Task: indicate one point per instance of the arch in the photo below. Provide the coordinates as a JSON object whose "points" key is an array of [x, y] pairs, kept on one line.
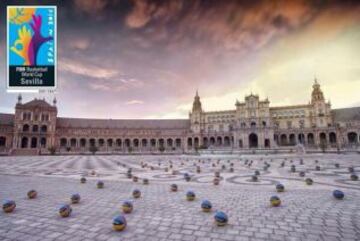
{"points": [[178, 142], [264, 123], [310, 138], [43, 142], [196, 141], [292, 139], [63, 142], [169, 142], [219, 141], [267, 143], [136, 142], [127, 142], [43, 128], [101, 142], [109, 142], [144, 142], [240, 143], [82, 142], [153, 143], [73, 142], [189, 142], [161, 142], [352, 137], [322, 137], [283, 140], [25, 128], [253, 140], [24, 142], [205, 142], [33, 142], [92, 142], [332, 138], [2, 141], [226, 141], [118, 142], [35, 128], [212, 141]]}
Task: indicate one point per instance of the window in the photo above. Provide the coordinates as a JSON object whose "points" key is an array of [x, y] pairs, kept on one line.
{"points": [[289, 124], [26, 116], [301, 123]]}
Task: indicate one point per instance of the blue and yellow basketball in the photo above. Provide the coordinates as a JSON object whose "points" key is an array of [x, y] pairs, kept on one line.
{"points": [[119, 223], [65, 210], [206, 206], [221, 219], [275, 201], [127, 207], [354, 177], [83, 180], [190, 196], [145, 181], [173, 187], [187, 177], [32, 194], [254, 178], [338, 194], [280, 187], [309, 181], [75, 198], [9, 206], [136, 193], [100, 184]]}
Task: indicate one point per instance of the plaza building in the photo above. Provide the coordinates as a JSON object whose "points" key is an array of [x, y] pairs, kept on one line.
{"points": [[253, 124]]}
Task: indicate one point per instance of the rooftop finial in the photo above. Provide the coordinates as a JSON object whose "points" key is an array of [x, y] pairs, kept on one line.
{"points": [[19, 98]]}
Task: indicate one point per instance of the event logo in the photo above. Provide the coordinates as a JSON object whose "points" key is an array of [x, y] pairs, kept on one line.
{"points": [[31, 47]]}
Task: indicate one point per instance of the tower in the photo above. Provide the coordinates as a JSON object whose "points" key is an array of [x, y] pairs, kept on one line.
{"points": [[317, 95], [197, 103], [195, 115], [321, 109]]}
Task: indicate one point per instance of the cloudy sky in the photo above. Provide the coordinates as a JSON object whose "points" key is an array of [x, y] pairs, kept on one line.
{"points": [[146, 58]]}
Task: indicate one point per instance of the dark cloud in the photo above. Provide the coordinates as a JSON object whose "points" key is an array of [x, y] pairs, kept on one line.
{"points": [[138, 47]]}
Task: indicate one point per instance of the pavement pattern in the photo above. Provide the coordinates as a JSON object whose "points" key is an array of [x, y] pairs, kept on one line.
{"points": [[306, 212]]}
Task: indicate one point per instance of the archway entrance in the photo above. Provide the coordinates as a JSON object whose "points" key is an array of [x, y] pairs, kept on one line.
{"points": [[24, 142], [253, 140], [33, 142]]}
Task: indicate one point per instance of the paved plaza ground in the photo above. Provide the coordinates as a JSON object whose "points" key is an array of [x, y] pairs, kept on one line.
{"points": [[306, 212]]}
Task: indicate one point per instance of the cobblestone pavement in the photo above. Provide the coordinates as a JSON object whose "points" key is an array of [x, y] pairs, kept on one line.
{"points": [[306, 212]]}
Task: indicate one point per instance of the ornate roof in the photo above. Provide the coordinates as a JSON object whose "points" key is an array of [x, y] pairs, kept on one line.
{"points": [[40, 103], [124, 123], [346, 114]]}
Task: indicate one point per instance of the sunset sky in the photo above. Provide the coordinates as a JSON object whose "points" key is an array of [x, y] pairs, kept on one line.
{"points": [[145, 59]]}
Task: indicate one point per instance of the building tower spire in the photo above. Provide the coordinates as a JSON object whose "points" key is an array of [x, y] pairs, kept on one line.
{"points": [[197, 103], [317, 94], [19, 99]]}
